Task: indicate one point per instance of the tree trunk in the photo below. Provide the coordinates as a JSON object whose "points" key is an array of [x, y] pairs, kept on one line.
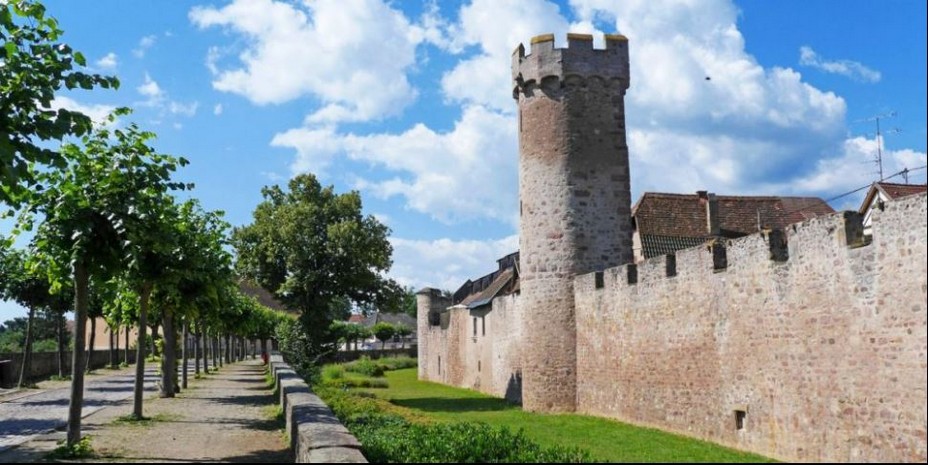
{"points": [[203, 332], [254, 349], [217, 356], [168, 353], [25, 371], [113, 349], [154, 336], [126, 349], [183, 370], [81, 291], [228, 351], [62, 361], [144, 295], [93, 337]]}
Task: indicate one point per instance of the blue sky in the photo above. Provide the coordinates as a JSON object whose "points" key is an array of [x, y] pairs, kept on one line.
{"points": [[410, 103]]}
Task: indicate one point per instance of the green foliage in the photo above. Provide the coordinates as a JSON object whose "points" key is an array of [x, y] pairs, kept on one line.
{"points": [[397, 363], [81, 449], [35, 65], [384, 331], [609, 440], [146, 421], [315, 250], [365, 366], [390, 438], [333, 372]]}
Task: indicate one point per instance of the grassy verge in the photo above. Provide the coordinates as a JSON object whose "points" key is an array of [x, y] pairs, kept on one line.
{"points": [[423, 403]]}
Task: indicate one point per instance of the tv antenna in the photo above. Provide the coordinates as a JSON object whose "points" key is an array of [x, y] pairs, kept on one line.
{"points": [[879, 137]]}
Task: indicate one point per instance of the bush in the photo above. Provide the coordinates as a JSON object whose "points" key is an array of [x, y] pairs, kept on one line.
{"points": [[367, 383], [332, 372], [388, 437], [365, 366], [398, 363]]}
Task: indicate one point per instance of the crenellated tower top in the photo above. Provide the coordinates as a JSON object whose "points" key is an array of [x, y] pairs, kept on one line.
{"points": [[578, 59]]}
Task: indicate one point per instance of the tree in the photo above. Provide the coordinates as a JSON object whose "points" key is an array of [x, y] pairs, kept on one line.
{"points": [[27, 288], [100, 217], [311, 247], [384, 331], [403, 331], [33, 66]]}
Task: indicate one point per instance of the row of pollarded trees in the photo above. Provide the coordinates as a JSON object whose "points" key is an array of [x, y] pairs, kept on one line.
{"points": [[106, 225]]}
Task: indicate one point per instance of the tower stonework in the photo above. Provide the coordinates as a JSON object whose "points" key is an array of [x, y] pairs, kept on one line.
{"points": [[575, 197]]}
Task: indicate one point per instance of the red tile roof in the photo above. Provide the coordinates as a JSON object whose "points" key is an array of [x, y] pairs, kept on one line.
{"points": [[895, 191], [684, 215]]}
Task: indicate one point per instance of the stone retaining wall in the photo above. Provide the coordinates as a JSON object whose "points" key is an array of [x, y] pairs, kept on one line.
{"points": [[316, 435]]}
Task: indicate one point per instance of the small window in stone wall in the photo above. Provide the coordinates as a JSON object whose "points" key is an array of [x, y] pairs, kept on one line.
{"points": [[740, 417], [483, 324], [439, 364], [671, 265], [478, 366], [475, 326], [434, 319], [600, 280]]}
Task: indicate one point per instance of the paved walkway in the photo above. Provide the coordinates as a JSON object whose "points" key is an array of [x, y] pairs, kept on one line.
{"points": [[27, 413], [227, 416]]}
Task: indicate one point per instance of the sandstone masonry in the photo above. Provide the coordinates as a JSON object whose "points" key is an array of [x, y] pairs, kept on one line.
{"points": [[807, 343]]}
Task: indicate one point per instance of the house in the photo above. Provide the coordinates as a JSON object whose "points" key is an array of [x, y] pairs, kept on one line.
{"points": [[882, 192], [395, 319], [664, 223]]}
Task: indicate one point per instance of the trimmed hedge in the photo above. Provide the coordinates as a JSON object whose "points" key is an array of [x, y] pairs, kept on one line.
{"points": [[390, 438]]}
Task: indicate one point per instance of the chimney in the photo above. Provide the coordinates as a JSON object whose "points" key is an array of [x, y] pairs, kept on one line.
{"points": [[713, 222]]}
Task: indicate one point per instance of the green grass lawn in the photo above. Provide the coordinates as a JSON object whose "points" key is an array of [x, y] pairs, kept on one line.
{"points": [[605, 439]]}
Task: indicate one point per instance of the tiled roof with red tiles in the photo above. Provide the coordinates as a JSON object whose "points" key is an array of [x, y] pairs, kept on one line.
{"points": [[684, 215], [896, 191]]}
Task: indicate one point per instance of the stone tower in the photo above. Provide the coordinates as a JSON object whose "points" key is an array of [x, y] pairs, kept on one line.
{"points": [[575, 197]]}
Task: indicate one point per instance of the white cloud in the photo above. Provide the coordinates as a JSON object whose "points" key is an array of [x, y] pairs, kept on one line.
{"points": [[108, 63], [852, 69], [150, 89], [156, 97], [217, 110], [855, 166], [497, 27], [351, 55], [446, 263], [746, 129], [97, 113], [145, 43], [466, 173]]}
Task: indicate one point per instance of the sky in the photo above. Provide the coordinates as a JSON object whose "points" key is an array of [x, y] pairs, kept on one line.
{"points": [[410, 102]]}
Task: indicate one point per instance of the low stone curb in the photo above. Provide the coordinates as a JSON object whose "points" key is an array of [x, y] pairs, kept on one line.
{"points": [[315, 433]]}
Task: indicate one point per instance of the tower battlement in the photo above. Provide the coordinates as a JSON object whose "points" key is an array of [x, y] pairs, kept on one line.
{"points": [[578, 59]]}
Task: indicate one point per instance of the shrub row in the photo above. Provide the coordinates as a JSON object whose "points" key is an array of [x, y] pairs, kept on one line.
{"points": [[388, 437], [376, 368]]}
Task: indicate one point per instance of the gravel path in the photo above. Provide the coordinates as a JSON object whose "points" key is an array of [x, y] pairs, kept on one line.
{"points": [[28, 413], [226, 416]]}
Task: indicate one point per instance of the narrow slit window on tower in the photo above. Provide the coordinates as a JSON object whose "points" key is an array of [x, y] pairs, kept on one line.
{"points": [[483, 326], [632, 271], [740, 417], [600, 280], [719, 257], [478, 365], [671, 265], [475, 326], [439, 364]]}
